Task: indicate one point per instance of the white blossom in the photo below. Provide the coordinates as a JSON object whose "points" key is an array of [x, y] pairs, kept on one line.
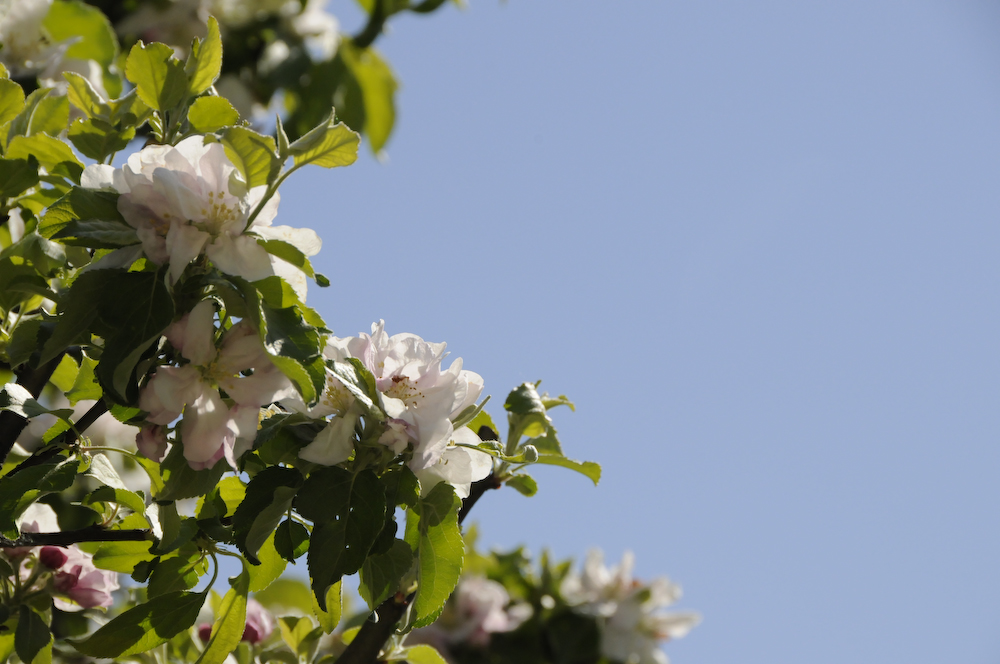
{"points": [[211, 429], [628, 611], [188, 200]]}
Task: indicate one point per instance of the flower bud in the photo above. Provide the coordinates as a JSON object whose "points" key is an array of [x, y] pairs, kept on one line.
{"points": [[205, 632], [52, 557], [530, 454]]}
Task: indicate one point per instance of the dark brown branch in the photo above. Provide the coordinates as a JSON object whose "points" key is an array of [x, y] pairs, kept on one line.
{"points": [[368, 642], [12, 424], [67, 537], [45, 453]]}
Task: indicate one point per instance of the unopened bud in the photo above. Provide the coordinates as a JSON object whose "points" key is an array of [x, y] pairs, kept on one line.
{"points": [[530, 454], [205, 632], [52, 557]]}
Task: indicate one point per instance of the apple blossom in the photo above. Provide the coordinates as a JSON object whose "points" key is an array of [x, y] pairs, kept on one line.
{"points": [[152, 442], [418, 396], [188, 200], [211, 429], [628, 611], [459, 466], [479, 607], [259, 622], [82, 583]]}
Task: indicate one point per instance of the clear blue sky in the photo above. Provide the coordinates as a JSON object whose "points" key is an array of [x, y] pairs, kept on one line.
{"points": [[757, 243]]}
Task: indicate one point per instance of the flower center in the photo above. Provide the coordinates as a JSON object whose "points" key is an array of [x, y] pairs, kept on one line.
{"points": [[405, 391], [218, 215]]}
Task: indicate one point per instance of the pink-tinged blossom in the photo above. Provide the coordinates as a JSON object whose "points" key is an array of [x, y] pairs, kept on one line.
{"points": [[418, 396], [152, 442], [82, 584], [478, 608], [629, 612], [188, 200], [260, 623], [210, 428]]}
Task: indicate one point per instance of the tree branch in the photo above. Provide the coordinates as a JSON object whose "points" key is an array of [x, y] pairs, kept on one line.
{"points": [[45, 453], [12, 424], [67, 537], [368, 642]]}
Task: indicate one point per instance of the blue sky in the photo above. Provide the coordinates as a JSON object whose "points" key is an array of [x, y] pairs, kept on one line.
{"points": [[757, 244]]}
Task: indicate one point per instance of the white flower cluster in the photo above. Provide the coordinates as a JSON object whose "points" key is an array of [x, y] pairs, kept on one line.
{"points": [[188, 200], [629, 612], [419, 397]]}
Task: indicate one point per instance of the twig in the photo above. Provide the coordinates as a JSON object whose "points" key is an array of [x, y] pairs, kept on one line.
{"points": [[67, 537], [45, 453]]}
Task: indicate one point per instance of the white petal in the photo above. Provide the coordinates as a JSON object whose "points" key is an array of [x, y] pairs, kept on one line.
{"points": [[335, 443]]}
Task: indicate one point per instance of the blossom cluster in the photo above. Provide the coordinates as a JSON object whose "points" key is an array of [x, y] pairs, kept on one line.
{"points": [[420, 399], [628, 611], [67, 573]]}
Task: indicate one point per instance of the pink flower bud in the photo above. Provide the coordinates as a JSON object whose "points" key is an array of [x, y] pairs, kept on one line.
{"points": [[52, 557], [259, 625], [152, 442], [205, 632]]}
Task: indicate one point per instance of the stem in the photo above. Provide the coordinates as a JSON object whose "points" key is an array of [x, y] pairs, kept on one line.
{"points": [[368, 642], [45, 453], [371, 31], [267, 196]]}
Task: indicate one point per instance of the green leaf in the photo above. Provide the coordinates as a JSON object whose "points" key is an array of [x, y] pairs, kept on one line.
{"points": [[525, 484], [122, 556], [291, 540], [158, 76], [437, 539], [83, 95], [286, 593], [11, 100], [526, 413], [97, 139], [588, 468], [424, 654], [18, 491], [80, 205], [253, 154], [17, 175], [329, 617], [378, 90], [42, 113], [56, 156], [270, 568], [268, 499], [176, 574], [181, 481], [329, 145], [229, 623], [86, 385], [381, 574], [208, 114], [205, 61], [288, 253], [88, 28], [348, 512], [97, 234], [145, 626], [65, 374], [32, 634], [355, 377]]}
